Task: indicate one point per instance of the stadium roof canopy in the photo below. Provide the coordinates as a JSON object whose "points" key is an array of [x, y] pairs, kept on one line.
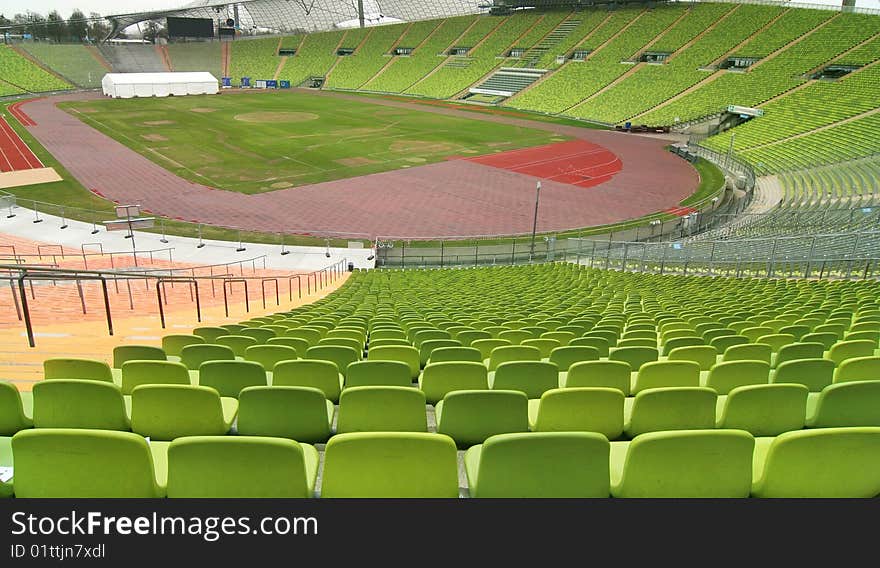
{"points": [[284, 16]]}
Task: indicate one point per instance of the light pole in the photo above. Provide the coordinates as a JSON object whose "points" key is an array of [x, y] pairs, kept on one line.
{"points": [[535, 220]]}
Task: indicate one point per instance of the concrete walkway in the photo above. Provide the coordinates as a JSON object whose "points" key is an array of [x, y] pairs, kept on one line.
{"points": [[185, 250]]}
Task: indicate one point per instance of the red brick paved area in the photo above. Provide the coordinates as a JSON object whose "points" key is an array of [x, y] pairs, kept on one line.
{"points": [[453, 198]]}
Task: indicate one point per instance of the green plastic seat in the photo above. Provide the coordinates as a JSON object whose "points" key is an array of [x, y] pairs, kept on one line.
{"points": [[228, 378], [656, 374], [545, 346], [726, 341], [634, 356], [384, 342], [669, 408], [562, 336], [73, 368], [826, 339], [565, 357], [486, 346], [428, 346], [515, 336], [776, 341], [241, 467], [468, 337], [166, 412], [793, 351], [764, 410], [683, 464], [77, 463], [539, 465], [123, 353], [511, 353], [582, 409], [312, 336], [449, 354], [728, 375], [299, 413], [390, 464], [427, 334], [858, 369], [382, 409], [238, 343], [300, 345], [636, 343], [231, 328], [13, 414], [172, 344], [841, 463], [260, 334], [531, 377], [405, 354], [136, 373], [798, 331], [387, 334], [855, 403], [845, 350], [340, 355], [608, 374], [378, 373], [269, 355], [678, 342], [211, 333], [599, 343], [344, 342], [194, 355], [438, 379], [816, 374], [749, 352], [471, 416], [77, 403], [322, 375]]}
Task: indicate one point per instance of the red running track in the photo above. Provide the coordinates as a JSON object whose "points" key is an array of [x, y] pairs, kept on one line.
{"points": [[14, 153], [576, 162]]}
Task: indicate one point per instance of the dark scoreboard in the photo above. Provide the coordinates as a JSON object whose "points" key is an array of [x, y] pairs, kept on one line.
{"points": [[190, 27]]}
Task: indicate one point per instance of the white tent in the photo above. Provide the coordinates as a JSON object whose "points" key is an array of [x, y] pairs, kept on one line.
{"points": [[128, 85]]}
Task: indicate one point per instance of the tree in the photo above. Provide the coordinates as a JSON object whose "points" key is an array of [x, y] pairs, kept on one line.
{"points": [[98, 28], [35, 24], [77, 27], [57, 29], [151, 31]]}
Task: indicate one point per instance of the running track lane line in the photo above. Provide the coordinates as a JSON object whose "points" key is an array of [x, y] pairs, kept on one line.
{"points": [[16, 154], [20, 115]]}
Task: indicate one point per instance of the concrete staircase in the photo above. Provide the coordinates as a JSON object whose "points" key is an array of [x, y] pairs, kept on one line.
{"points": [[531, 57]]}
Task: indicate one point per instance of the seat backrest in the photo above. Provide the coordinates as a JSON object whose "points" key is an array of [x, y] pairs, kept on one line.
{"points": [[724, 342], [341, 355], [816, 374], [750, 352], [858, 369], [210, 333], [76, 463], [486, 346], [172, 344], [322, 375], [228, 378], [543, 465], [582, 409], [634, 356], [508, 353], [656, 374], [136, 373], [194, 355], [565, 357], [844, 350], [443, 354], [609, 374], [842, 463], [765, 410], [76, 403], [545, 346], [703, 355], [776, 341], [801, 350], [438, 379], [343, 341], [387, 334], [378, 373], [515, 336], [123, 353], [312, 336], [236, 467], [298, 413], [12, 416], [238, 343], [260, 334], [471, 416], [691, 463], [268, 355], [468, 337], [854, 403], [599, 343], [298, 344], [72, 368], [390, 464], [382, 409], [403, 353], [429, 345], [672, 408], [728, 375], [530, 377], [826, 339], [166, 412]]}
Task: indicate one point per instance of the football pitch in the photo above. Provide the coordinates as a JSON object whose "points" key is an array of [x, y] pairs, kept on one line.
{"points": [[258, 142]]}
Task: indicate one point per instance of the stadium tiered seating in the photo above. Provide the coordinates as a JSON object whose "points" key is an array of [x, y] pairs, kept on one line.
{"points": [[352, 71], [196, 56], [314, 57], [71, 61], [254, 58], [21, 75]]}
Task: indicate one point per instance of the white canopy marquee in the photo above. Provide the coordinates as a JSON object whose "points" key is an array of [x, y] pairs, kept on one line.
{"points": [[128, 85]]}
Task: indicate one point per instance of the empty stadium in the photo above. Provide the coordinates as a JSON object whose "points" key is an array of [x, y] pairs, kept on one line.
{"points": [[456, 250]]}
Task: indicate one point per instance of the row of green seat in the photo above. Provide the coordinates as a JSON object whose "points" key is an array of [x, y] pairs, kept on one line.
{"points": [[842, 462]]}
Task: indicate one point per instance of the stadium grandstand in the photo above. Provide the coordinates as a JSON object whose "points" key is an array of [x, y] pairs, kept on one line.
{"points": [[452, 249]]}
